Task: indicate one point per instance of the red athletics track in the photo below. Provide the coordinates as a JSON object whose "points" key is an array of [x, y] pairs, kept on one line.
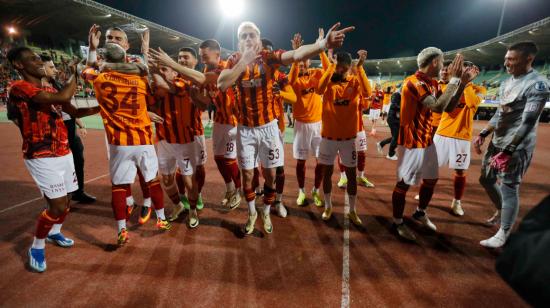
{"points": [[304, 263]]}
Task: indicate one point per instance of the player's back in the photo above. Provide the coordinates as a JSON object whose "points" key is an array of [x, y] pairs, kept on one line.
{"points": [[123, 106]]}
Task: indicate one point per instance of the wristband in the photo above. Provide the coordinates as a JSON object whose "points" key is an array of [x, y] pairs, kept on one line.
{"points": [[509, 149], [92, 56], [454, 80], [323, 44], [484, 133]]}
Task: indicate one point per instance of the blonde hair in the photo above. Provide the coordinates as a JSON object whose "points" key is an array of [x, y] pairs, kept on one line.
{"points": [[247, 24], [427, 55]]}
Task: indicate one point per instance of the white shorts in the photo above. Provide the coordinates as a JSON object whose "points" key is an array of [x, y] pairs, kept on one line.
{"points": [[307, 139], [386, 108], [54, 176], [452, 151], [263, 143], [281, 136], [224, 140], [125, 159], [416, 164], [330, 148], [172, 155], [200, 151], [361, 141], [374, 114]]}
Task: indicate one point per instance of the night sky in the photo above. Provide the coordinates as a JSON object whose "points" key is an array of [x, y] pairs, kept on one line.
{"points": [[386, 28]]}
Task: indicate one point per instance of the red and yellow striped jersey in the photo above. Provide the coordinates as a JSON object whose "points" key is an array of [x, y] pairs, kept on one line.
{"points": [[123, 102], [341, 101], [223, 100], [42, 129], [177, 111], [415, 129], [254, 88]]}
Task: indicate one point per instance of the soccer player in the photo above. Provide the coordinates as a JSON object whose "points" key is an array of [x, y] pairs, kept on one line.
{"points": [[187, 57], [393, 123], [117, 36], [417, 156], [342, 94], [386, 103], [77, 149], [122, 92], [375, 107], [251, 71], [454, 134], [282, 92], [307, 112], [360, 142], [176, 146], [514, 129], [36, 109], [224, 132]]}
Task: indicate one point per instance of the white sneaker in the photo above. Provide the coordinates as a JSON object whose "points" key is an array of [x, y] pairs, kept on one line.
{"points": [[417, 197], [498, 240], [379, 148], [494, 220], [456, 207], [394, 157], [404, 232], [423, 218], [281, 209], [268, 227], [249, 227]]}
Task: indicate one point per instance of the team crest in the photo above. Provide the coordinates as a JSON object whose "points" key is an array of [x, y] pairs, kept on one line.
{"points": [[540, 86]]}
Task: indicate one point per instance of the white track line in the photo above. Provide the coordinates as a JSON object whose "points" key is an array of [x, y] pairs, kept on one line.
{"points": [[39, 198], [345, 258]]}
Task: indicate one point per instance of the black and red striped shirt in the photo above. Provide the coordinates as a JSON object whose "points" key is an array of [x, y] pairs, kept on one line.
{"points": [[41, 125]]}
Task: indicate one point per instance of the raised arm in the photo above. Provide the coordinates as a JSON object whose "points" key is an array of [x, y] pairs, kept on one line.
{"points": [[448, 101], [296, 42], [93, 42], [333, 39], [325, 79], [145, 38], [125, 68], [160, 57], [325, 62], [229, 76], [62, 97], [288, 95], [293, 74], [363, 80]]}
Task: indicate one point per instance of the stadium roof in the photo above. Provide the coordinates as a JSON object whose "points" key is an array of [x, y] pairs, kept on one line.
{"points": [[63, 20], [488, 53]]}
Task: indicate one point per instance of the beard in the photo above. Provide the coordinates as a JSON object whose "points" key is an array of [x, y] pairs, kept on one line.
{"points": [[337, 77]]}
